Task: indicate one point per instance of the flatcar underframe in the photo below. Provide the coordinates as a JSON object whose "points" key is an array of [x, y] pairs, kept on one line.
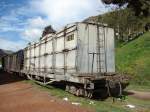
{"points": [[102, 87]]}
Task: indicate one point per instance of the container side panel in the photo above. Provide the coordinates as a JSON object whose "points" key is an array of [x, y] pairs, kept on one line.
{"points": [[110, 50], [37, 51], [32, 64], [49, 47], [36, 63], [59, 44], [101, 50], [32, 52], [42, 52], [28, 52], [48, 61], [49, 58], [71, 56], [42, 61], [82, 53], [59, 60], [27, 64], [92, 48]]}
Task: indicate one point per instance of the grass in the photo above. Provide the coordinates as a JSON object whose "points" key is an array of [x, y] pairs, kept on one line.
{"points": [[99, 106], [133, 58]]}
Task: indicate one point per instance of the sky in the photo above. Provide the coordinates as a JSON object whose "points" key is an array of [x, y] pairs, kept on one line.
{"points": [[22, 21]]}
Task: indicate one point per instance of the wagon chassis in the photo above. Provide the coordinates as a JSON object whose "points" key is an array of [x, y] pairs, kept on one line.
{"points": [[109, 86]]}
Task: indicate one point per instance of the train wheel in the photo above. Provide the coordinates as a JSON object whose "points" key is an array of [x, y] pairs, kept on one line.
{"points": [[115, 89]]}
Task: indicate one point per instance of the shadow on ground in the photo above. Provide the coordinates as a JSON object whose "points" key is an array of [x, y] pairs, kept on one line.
{"points": [[6, 78], [127, 93]]}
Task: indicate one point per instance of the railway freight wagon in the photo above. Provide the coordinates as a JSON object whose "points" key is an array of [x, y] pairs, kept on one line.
{"points": [[5, 63], [80, 54], [13, 62]]}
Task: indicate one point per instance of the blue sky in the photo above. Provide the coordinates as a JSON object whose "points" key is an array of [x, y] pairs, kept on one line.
{"points": [[22, 21]]}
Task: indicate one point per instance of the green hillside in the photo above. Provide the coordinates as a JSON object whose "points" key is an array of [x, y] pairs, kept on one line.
{"points": [[133, 58]]}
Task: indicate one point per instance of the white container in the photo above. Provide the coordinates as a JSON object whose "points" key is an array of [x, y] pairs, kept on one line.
{"points": [[79, 49]]}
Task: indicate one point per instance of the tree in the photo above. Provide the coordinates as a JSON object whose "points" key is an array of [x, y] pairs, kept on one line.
{"points": [[124, 22], [140, 7]]}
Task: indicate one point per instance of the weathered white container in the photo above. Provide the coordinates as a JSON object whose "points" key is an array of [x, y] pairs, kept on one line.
{"points": [[13, 62], [78, 50], [38, 57]]}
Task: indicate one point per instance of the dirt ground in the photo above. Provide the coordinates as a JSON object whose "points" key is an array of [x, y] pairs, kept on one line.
{"points": [[18, 96], [139, 94]]}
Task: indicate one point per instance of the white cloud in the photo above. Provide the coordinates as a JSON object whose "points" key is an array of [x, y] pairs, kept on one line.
{"points": [[37, 22], [31, 34], [61, 12], [29, 20], [11, 45], [34, 28], [58, 13]]}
